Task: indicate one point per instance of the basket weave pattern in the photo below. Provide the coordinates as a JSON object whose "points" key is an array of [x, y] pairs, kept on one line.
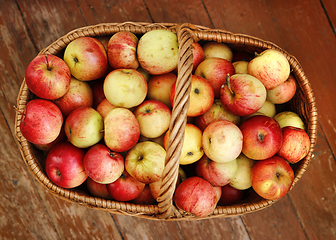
{"points": [[303, 103]]}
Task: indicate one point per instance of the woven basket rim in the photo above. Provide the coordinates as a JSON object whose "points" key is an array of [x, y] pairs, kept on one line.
{"points": [[187, 33]]}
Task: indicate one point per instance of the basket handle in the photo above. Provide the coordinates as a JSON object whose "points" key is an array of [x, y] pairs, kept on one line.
{"points": [[178, 122]]}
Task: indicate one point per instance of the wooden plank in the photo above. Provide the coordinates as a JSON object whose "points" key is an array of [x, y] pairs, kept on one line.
{"points": [[330, 10], [146, 228], [177, 11], [314, 196]]}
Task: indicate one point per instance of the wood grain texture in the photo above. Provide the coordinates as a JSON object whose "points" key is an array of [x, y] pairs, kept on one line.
{"points": [[306, 29]]}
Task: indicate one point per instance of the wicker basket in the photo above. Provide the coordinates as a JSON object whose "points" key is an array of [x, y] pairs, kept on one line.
{"points": [[303, 103]]}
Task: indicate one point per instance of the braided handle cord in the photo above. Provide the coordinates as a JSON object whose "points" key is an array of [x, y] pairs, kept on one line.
{"points": [[177, 124]]}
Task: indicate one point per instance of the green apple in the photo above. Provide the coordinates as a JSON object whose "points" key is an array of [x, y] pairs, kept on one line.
{"points": [[158, 51]]}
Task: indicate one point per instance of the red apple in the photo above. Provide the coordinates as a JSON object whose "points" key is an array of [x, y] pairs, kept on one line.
{"points": [[230, 195], [295, 145], [218, 174], [198, 55], [215, 71], [103, 165], [97, 189], [153, 117], [48, 76], [86, 58], [284, 92], [145, 197], [271, 67], [125, 188], [97, 91], [272, 178], [47, 147], [243, 94], [41, 121], [218, 193], [262, 137], [216, 112], [104, 107], [64, 165], [84, 127], [122, 48], [222, 141], [78, 95], [121, 130], [159, 87], [201, 96], [197, 196]]}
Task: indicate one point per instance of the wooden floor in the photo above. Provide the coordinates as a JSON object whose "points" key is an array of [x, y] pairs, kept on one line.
{"points": [[306, 29]]}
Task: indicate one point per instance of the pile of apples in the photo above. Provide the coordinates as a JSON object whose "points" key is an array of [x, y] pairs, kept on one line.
{"points": [[101, 113]]}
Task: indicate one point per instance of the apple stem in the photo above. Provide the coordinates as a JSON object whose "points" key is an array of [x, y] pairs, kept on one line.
{"points": [[228, 83], [48, 65]]}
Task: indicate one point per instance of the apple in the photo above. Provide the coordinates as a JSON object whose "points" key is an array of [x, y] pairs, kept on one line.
{"points": [[268, 109], [158, 140], [198, 55], [84, 127], [153, 117], [97, 91], [192, 149], [146, 161], [296, 144], [86, 58], [241, 55], [272, 178], [217, 49], [218, 193], [104, 40], [284, 92], [41, 121], [155, 187], [215, 70], [103, 165], [242, 178], [240, 66], [218, 174], [97, 189], [222, 141], [144, 73], [122, 130], [125, 88], [201, 96], [216, 112], [48, 146], [158, 51], [64, 165], [262, 137], [104, 107], [196, 196], [145, 197], [121, 50], [159, 87], [289, 118], [271, 67], [48, 76], [125, 188], [230, 195], [243, 94], [78, 95]]}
